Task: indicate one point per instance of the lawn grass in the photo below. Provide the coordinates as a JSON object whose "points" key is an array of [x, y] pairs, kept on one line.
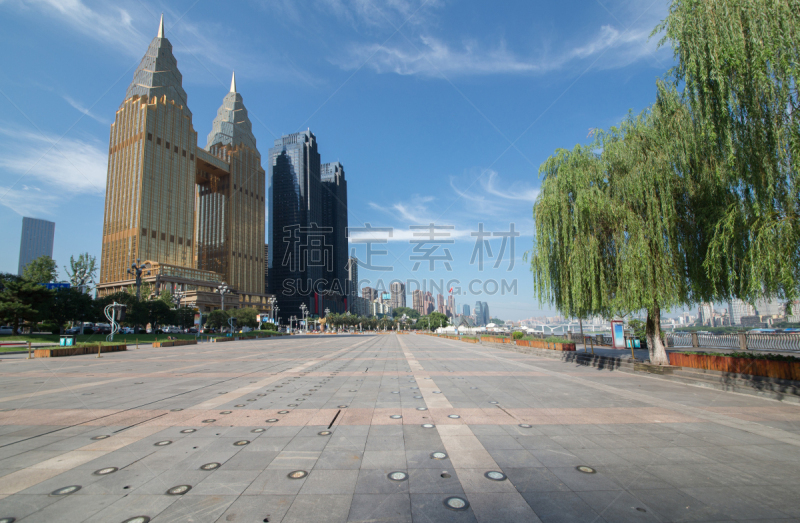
{"points": [[130, 339]]}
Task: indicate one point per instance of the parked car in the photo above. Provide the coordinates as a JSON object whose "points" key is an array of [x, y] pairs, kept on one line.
{"points": [[6, 329], [191, 330], [102, 328], [127, 330]]}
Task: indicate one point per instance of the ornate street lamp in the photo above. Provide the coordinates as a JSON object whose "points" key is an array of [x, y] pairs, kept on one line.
{"points": [[222, 290], [136, 271]]}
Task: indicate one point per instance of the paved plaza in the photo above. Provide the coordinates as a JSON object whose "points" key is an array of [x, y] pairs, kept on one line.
{"points": [[381, 429]]}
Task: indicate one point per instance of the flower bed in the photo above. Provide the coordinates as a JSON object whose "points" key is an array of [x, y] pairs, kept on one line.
{"points": [[549, 345], [174, 343], [56, 352], [780, 368]]}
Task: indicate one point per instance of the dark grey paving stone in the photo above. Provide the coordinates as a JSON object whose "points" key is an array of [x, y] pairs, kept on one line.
{"points": [[560, 507], [514, 458], [733, 504], [323, 508], [21, 505], [629, 477], [500, 442], [430, 481], [502, 508], [339, 458], [73, 508], [384, 459], [322, 481], [373, 508], [537, 479], [537, 442], [270, 444], [300, 443], [382, 443], [375, 481], [618, 506], [275, 482], [671, 504], [225, 482], [131, 506], [579, 481], [194, 509], [430, 508], [295, 460], [257, 509], [556, 457], [421, 459]]}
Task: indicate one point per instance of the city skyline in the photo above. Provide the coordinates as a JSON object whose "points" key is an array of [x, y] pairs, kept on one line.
{"points": [[370, 121]]}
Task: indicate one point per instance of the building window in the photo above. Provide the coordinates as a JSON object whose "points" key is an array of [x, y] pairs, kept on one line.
{"points": [[180, 240], [171, 238], [144, 232], [153, 234], [184, 153], [158, 141], [191, 157], [176, 149], [150, 136], [188, 243], [163, 236], [167, 145]]}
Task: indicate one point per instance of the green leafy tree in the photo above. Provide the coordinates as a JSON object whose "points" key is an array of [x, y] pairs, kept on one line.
{"points": [[436, 320], [154, 312], [739, 64], [22, 300], [166, 297], [41, 270], [82, 272], [245, 317], [217, 319], [408, 311], [626, 229], [497, 321], [184, 317], [68, 305]]}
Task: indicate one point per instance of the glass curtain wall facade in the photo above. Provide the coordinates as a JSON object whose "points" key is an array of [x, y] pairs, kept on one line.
{"points": [[294, 230], [333, 196], [37, 240]]}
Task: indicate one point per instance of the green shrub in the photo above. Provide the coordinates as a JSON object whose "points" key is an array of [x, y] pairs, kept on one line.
{"points": [[518, 335]]}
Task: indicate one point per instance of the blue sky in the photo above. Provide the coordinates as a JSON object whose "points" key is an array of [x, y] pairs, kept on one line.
{"points": [[441, 111]]}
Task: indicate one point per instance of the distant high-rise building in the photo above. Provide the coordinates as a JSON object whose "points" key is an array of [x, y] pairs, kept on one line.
{"points": [[479, 314], [487, 319], [333, 196], [297, 256], [737, 308], [369, 294], [193, 217], [465, 309], [398, 291], [451, 306], [37, 240], [770, 307], [418, 301], [440, 306], [352, 284], [429, 304]]}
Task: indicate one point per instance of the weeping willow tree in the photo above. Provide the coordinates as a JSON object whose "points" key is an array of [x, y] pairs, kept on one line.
{"points": [[622, 224], [738, 63]]}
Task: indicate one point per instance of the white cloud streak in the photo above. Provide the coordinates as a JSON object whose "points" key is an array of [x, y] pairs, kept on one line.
{"points": [[82, 109], [72, 165]]}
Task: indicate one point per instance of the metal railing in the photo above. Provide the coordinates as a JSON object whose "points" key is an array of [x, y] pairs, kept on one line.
{"points": [[738, 341]]}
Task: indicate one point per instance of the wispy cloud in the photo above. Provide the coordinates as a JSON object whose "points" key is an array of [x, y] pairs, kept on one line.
{"points": [[362, 14], [72, 165], [29, 201], [81, 108]]}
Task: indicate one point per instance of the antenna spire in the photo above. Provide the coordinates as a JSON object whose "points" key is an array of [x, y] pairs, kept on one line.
{"points": [[233, 82], [161, 27]]}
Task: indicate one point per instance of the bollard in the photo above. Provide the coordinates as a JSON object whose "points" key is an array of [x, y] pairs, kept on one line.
{"points": [[98, 351], [29, 351], [591, 340], [633, 357], [137, 343]]}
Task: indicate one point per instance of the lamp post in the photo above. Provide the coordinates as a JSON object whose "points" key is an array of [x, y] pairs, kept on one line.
{"points": [[272, 301], [177, 296], [136, 272], [327, 311], [222, 290], [303, 310]]}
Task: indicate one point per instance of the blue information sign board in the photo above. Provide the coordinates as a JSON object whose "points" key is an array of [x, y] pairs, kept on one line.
{"points": [[56, 286]]}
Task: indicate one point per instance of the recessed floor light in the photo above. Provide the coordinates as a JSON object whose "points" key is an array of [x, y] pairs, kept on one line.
{"points": [[417, 397], [397, 476], [453, 416], [162, 443], [239, 405], [225, 412], [438, 455], [395, 392], [292, 405], [188, 431], [585, 469], [210, 466], [437, 392], [209, 420], [176, 410], [272, 420], [257, 431], [422, 408], [456, 503], [493, 402], [525, 425], [180, 490], [427, 425], [283, 412], [65, 491], [324, 433], [495, 475], [396, 416], [135, 519], [103, 436], [297, 474], [103, 472], [341, 406], [241, 443]]}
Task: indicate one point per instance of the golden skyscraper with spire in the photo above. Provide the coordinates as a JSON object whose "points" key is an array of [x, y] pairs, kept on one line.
{"points": [[193, 216]]}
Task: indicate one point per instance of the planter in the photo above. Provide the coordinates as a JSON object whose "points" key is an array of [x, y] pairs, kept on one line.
{"points": [[783, 370], [220, 340], [57, 352], [495, 339], [536, 344], [174, 343]]}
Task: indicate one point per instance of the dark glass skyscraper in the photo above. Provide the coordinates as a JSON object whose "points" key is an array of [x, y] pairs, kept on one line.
{"points": [[297, 253], [333, 196]]}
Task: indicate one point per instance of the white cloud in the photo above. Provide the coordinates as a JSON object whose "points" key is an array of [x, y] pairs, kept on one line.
{"points": [[28, 201], [514, 191], [82, 109], [60, 164]]}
